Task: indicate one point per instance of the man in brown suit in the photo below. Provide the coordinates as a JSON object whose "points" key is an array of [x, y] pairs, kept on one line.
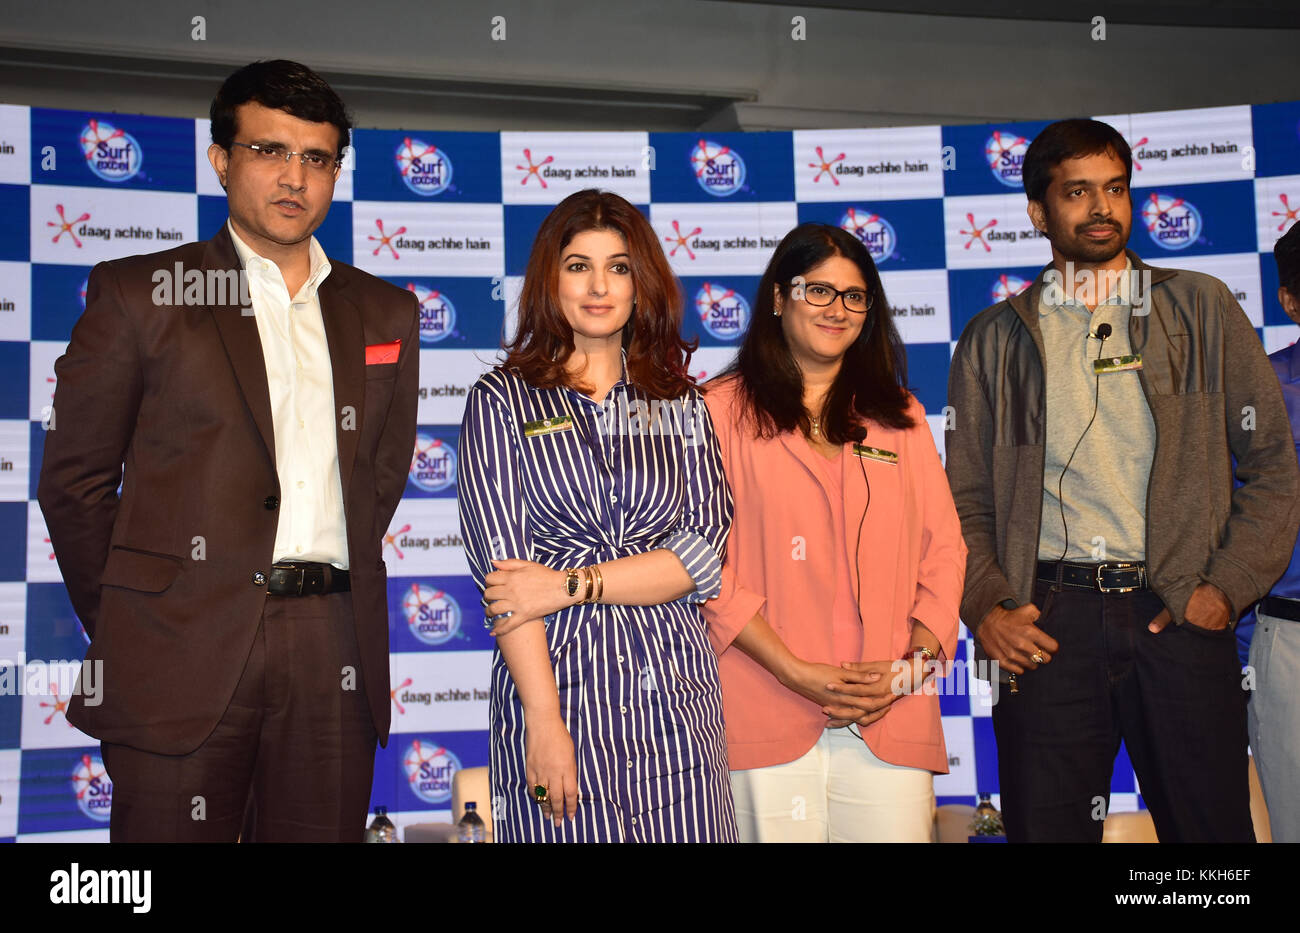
{"points": [[234, 594]]}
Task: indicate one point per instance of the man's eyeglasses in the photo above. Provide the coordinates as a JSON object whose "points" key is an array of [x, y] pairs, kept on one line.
{"points": [[311, 160], [821, 295]]}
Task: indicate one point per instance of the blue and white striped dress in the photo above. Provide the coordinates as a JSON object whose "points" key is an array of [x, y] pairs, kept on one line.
{"points": [[638, 685]]}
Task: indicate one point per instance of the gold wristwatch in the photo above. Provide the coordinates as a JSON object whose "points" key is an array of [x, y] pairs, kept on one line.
{"points": [[572, 581]]}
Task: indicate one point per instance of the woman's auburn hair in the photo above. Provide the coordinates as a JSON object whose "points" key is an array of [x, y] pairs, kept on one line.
{"points": [[657, 356]]}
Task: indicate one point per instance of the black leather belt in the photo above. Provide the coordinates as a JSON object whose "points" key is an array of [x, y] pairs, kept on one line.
{"points": [[304, 579], [1279, 607], [1114, 576]]}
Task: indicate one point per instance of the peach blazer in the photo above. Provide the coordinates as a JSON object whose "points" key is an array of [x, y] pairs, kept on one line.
{"points": [[912, 561]]}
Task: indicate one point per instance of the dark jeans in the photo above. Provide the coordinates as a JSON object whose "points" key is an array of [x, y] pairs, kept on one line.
{"points": [[291, 760], [1175, 698]]}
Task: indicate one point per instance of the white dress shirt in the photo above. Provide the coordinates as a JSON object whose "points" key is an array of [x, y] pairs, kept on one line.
{"points": [[301, 383]]}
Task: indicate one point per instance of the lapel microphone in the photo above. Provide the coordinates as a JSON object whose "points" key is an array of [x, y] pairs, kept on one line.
{"points": [[1103, 331], [859, 434]]}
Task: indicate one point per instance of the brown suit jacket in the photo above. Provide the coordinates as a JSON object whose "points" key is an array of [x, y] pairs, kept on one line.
{"points": [[172, 401]]}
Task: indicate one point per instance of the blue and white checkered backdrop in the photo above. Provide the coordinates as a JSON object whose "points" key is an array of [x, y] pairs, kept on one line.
{"points": [[452, 216]]}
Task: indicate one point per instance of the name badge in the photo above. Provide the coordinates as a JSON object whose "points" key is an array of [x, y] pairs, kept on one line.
{"points": [[875, 453], [548, 426], [1117, 364]]}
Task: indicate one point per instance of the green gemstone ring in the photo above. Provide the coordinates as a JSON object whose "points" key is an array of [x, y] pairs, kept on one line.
{"points": [[540, 793]]}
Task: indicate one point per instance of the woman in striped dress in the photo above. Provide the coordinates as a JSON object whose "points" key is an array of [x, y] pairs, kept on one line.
{"points": [[595, 513]]}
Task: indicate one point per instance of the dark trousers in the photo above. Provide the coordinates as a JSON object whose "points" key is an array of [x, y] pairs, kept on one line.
{"points": [[1175, 698], [291, 760]]}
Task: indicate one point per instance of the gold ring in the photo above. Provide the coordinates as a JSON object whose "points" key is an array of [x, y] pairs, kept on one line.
{"points": [[541, 794], [1037, 657]]}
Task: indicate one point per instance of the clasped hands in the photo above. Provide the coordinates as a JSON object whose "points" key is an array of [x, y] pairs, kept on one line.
{"points": [[519, 591], [857, 691]]}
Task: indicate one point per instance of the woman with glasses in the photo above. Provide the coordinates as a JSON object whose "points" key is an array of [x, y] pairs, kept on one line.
{"points": [[845, 566], [595, 511]]}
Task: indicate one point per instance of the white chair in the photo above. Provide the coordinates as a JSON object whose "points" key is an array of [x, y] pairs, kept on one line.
{"points": [[472, 784]]}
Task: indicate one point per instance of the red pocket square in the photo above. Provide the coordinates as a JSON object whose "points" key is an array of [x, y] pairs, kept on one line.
{"points": [[382, 352]]}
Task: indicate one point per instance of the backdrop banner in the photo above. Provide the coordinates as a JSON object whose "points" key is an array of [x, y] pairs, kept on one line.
{"points": [[451, 216]]}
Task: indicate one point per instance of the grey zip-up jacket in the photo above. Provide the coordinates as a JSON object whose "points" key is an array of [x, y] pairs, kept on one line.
{"points": [[1213, 396]]}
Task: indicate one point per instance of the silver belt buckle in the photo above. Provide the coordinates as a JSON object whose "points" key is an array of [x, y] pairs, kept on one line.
{"points": [[1124, 565]]}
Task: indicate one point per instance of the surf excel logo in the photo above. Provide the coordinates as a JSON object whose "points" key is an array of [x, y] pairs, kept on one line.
{"points": [[429, 771], [432, 615], [437, 313], [876, 233], [723, 312], [719, 169], [433, 466], [1005, 153], [93, 789], [423, 167], [1173, 223], [111, 153]]}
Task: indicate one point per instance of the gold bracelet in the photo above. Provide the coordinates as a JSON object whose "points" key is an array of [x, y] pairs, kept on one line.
{"points": [[586, 572], [600, 583]]}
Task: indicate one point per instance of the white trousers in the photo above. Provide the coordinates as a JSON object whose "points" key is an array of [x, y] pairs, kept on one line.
{"points": [[1274, 721], [838, 792]]}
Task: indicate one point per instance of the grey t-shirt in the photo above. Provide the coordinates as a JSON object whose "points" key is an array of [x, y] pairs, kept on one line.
{"points": [[1105, 489]]}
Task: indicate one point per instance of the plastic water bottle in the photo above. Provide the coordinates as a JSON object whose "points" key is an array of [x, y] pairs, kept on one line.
{"points": [[381, 829], [987, 821], [471, 828]]}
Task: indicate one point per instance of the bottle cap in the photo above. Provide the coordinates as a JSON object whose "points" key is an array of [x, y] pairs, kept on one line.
{"points": [[381, 811], [471, 805]]}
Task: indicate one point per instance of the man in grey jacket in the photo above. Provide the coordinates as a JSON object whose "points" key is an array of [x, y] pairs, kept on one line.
{"points": [[1097, 500]]}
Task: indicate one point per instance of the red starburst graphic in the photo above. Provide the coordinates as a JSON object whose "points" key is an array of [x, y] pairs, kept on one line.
{"points": [[1154, 200], [705, 160], [1007, 288], [976, 232], [415, 454], [390, 540], [407, 156], [385, 239], [95, 139], [418, 755], [83, 784], [859, 222], [711, 300], [533, 169], [678, 239], [1141, 142], [65, 225], [58, 706], [823, 166], [426, 301], [401, 710], [1288, 213]]}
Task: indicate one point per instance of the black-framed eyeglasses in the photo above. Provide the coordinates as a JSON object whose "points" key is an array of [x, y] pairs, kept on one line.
{"points": [[821, 295], [311, 160]]}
